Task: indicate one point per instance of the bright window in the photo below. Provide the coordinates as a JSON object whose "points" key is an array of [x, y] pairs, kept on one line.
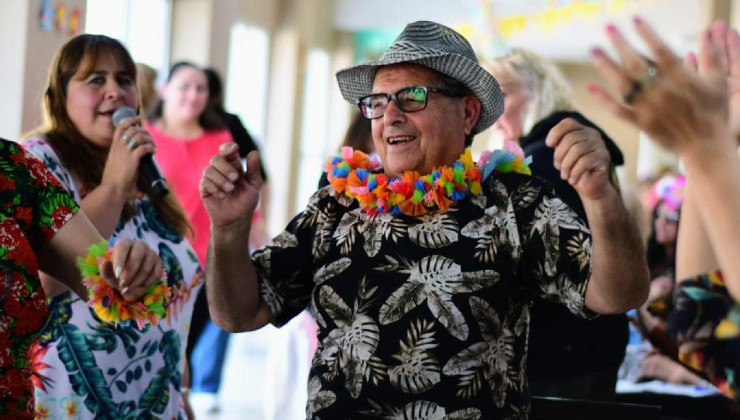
{"points": [[143, 26], [315, 125], [246, 84]]}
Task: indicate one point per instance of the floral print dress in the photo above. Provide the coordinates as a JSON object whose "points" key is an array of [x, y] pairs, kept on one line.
{"points": [[33, 207], [91, 369], [705, 322], [426, 317]]}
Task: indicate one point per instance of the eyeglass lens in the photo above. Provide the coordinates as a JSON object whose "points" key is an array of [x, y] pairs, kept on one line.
{"points": [[409, 99]]}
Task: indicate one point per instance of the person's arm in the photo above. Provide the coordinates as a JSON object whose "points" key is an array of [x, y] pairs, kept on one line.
{"points": [[132, 269], [58, 258], [717, 191], [694, 251], [230, 196], [619, 278]]}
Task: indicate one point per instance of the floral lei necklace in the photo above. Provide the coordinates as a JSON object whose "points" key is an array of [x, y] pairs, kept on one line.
{"points": [[358, 176]]}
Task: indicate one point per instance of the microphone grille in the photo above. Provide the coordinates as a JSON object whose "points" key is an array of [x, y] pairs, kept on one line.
{"points": [[122, 113]]}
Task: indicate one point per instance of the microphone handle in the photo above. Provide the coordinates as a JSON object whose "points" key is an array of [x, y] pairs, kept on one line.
{"points": [[152, 175]]}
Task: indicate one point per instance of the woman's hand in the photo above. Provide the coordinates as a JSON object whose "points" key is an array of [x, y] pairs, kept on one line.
{"points": [[683, 110], [228, 192], [130, 144], [133, 267]]}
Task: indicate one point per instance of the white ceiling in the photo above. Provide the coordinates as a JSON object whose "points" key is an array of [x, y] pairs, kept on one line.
{"points": [[569, 38]]}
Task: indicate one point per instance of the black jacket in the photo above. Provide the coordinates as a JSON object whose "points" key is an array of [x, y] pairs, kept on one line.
{"points": [[561, 344]]}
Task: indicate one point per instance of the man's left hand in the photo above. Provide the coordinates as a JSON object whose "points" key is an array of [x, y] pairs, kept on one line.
{"points": [[581, 157]]}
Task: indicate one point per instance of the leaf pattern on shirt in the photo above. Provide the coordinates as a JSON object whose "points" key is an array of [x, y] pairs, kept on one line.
{"points": [[579, 249], [332, 269], [430, 308], [434, 230], [319, 216], [348, 347], [317, 397], [561, 290], [284, 240], [485, 361], [526, 195], [420, 410], [552, 215], [419, 369], [379, 228], [435, 279], [496, 229]]}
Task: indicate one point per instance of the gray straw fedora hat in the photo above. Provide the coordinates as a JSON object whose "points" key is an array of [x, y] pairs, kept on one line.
{"points": [[437, 47]]}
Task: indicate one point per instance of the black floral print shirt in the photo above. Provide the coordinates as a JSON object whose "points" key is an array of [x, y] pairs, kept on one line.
{"points": [[426, 317]]}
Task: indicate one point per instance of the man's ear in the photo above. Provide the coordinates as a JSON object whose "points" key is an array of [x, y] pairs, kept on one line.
{"points": [[472, 112]]}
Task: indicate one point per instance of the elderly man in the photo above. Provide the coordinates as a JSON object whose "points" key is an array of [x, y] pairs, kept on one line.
{"points": [[421, 274]]}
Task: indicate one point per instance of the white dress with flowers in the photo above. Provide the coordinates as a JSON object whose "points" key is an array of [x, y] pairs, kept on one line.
{"points": [[85, 368]]}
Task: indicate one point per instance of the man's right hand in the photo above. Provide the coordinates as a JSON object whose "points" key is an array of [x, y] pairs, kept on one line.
{"points": [[230, 194]]}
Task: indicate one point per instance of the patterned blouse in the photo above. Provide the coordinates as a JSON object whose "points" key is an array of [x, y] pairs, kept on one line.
{"points": [[33, 207], [426, 317], [88, 368], [705, 321]]}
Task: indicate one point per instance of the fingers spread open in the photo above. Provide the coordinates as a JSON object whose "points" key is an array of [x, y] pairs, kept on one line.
{"points": [[664, 57], [710, 62], [633, 64], [610, 71], [733, 53]]}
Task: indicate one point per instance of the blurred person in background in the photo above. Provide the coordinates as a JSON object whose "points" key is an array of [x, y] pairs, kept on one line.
{"points": [[187, 132], [146, 83], [90, 368], [569, 356], [651, 353], [693, 110]]}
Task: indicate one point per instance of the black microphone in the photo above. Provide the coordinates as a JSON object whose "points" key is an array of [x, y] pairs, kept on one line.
{"points": [[147, 166]]}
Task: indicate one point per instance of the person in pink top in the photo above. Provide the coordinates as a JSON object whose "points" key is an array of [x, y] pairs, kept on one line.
{"points": [[187, 134]]}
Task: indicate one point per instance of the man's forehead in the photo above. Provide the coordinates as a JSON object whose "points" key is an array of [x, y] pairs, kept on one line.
{"points": [[405, 74]]}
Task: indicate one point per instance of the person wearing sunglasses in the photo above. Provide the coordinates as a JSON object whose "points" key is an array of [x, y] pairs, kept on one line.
{"points": [[421, 266]]}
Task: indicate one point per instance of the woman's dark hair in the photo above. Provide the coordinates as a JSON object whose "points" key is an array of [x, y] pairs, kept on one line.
{"points": [[657, 254], [359, 134], [82, 157], [208, 119], [215, 88]]}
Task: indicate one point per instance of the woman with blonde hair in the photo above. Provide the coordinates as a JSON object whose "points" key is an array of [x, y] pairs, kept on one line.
{"points": [[568, 356], [88, 368], [146, 80]]}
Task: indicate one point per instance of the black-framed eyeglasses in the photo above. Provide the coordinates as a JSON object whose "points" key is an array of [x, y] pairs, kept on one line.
{"points": [[410, 99]]}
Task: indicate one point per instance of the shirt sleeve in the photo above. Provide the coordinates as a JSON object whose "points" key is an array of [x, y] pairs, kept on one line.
{"points": [[53, 206], [556, 246], [40, 149], [286, 265]]}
